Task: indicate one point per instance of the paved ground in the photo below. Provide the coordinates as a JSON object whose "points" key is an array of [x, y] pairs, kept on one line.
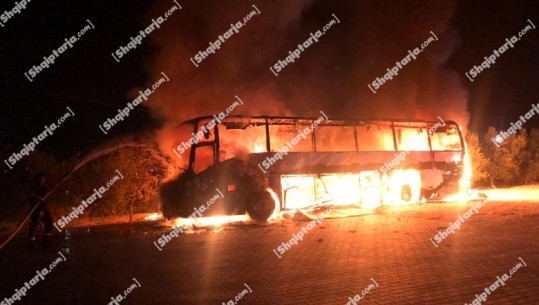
{"points": [[336, 260]]}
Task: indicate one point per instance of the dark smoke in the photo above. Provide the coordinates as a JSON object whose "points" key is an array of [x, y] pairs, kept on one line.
{"points": [[331, 75]]}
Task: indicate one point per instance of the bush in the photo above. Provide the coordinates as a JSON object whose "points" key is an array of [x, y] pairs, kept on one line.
{"points": [[515, 160], [142, 167]]}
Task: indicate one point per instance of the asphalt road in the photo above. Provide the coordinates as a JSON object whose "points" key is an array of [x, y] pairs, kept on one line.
{"points": [[394, 248]]}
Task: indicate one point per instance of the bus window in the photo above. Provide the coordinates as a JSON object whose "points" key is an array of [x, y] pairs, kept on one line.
{"points": [[281, 134], [335, 138], [375, 138], [236, 142], [203, 158], [412, 139], [446, 140]]}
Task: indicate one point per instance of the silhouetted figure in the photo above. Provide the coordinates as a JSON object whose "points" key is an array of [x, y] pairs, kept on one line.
{"points": [[38, 191]]}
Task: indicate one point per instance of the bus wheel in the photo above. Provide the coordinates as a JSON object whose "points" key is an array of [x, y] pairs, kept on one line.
{"points": [[406, 193], [260, 206]]}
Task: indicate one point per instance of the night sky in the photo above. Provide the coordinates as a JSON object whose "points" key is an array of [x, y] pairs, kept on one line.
{"points": [[331, 75]]}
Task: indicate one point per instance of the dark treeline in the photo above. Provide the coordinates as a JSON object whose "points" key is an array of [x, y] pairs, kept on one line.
{"points": [[510, 161]]}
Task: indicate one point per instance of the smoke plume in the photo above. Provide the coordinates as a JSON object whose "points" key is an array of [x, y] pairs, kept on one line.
{"points": [[331, 75]]}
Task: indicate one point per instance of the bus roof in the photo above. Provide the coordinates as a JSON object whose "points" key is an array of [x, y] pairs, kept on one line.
{"points": [[247, 120]]}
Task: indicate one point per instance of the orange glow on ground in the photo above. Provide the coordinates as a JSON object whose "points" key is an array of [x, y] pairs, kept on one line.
{"points": [[210, 221], [526, 193], [153, 216]]}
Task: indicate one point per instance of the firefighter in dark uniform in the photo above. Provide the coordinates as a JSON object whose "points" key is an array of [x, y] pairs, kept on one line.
{"points": [[39, 191]]}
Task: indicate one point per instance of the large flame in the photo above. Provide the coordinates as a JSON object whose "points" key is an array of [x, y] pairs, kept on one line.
{"points": [[218, 221], [465, 191], [401, 187], [259, 146], [465, 181], [367, 189]]}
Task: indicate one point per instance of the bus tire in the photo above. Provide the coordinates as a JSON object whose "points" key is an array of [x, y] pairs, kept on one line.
{"points": [[406, 193], [260, 206]]}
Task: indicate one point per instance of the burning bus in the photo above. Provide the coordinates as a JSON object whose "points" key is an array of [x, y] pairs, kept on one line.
{"points": [[262, 164]]}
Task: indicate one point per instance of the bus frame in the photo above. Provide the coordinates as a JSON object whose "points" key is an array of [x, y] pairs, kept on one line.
{"points": [[440, 172]]}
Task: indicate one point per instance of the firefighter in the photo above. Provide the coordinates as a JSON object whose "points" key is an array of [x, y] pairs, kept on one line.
{"points": [[38, 195]]}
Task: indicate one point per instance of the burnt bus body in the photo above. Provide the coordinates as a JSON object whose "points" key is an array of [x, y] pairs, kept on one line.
{"points": [[339, 161]]}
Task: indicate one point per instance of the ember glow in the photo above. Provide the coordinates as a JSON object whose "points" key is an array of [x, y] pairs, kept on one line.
{"points": [[215, 221], [153, 216]]}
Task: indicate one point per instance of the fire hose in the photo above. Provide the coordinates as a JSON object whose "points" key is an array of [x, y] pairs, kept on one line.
{"points": [[19, 227], [104, 152], [32, 211]]}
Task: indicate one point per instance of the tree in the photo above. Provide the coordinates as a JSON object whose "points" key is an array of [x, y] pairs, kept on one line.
{"points": [[142, 168], [507, 159], [531, 162]]}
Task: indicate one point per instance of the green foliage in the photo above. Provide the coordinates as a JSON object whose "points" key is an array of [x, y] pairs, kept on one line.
{"points": [[512, 162], [531, 158], [142, 169]]}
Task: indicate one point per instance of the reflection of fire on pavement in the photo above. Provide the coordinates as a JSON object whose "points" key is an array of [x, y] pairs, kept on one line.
{"points": [[517, 193]]}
